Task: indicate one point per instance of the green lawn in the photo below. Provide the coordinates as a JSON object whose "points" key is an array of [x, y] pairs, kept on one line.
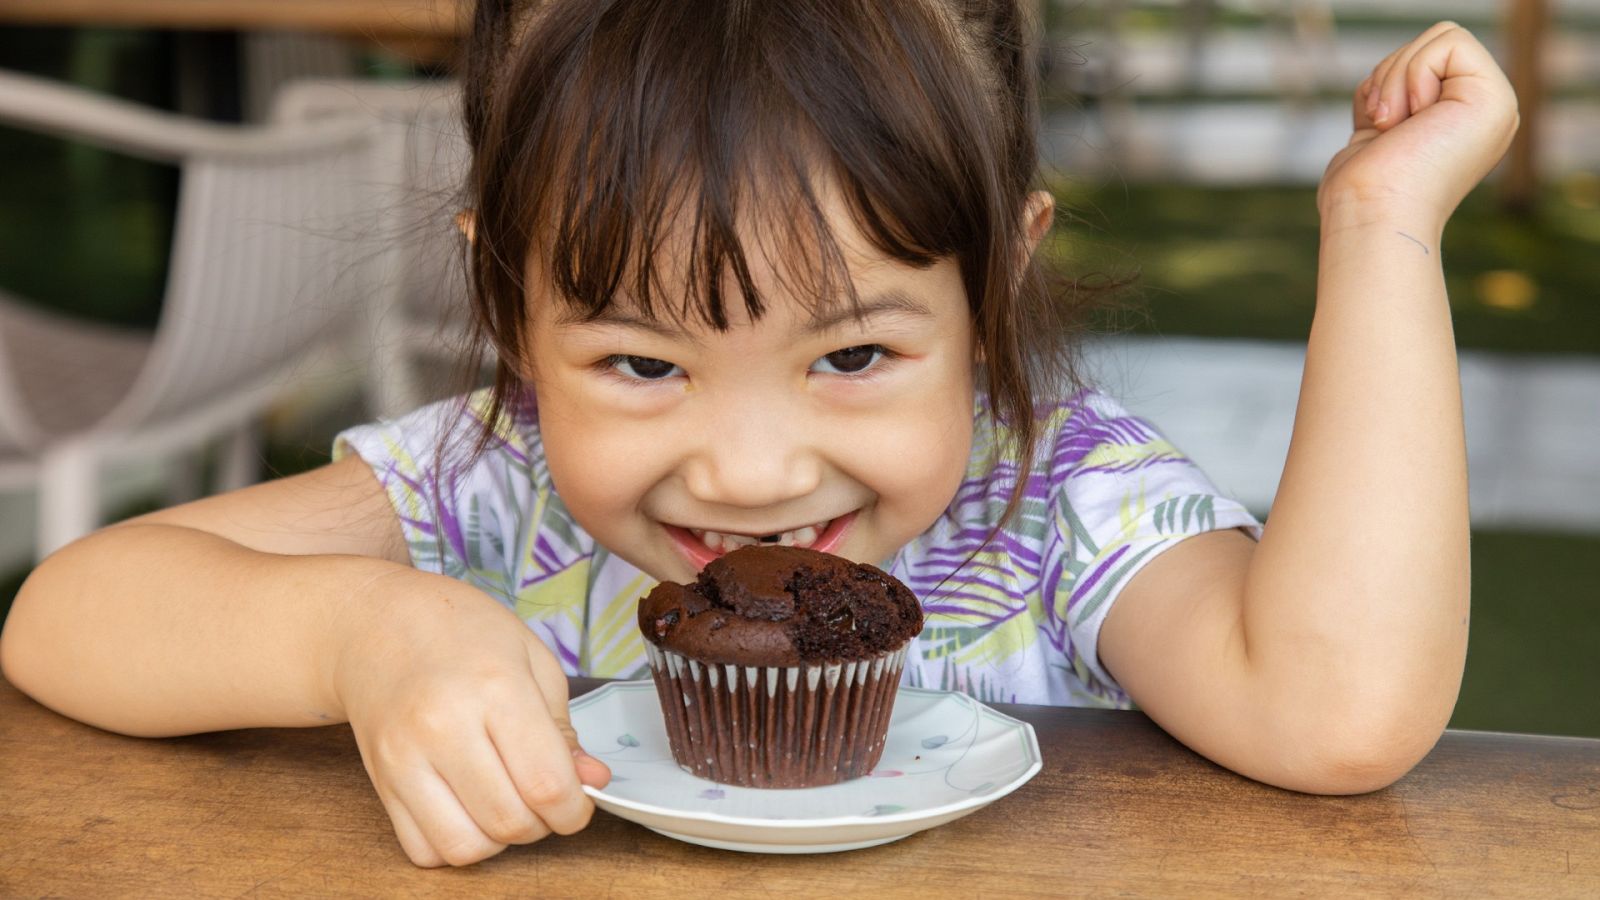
{"points": [[1241, 262], [1533, 660]]}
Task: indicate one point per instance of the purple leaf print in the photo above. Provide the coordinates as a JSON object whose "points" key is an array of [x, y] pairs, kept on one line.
{"points": [[713, 794]]}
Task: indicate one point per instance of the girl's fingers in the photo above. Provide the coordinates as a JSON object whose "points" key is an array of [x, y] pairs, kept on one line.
{"points": [[1392, 104], [442, 820], [1360, 118], [412, 841], [1375, 93], [1459, 64], [1391, 98], [479, 779], [592, 771], [1425, 73], [552, 682], [538, 757]]}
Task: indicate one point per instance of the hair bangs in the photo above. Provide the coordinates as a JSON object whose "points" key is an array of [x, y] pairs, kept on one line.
{"points": [[679, 166]]}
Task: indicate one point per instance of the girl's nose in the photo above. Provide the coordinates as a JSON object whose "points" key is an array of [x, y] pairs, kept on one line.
{"points": [[753, 464]]}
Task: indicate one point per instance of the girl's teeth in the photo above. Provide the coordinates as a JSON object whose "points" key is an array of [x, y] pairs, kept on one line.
{"points": [[727, 543], [803, 537]]}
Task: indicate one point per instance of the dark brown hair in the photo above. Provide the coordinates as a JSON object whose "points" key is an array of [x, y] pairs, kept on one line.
{"points": [[599, 127]]}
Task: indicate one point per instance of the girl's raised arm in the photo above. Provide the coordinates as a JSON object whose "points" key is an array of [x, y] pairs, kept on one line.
{"points": [[1328, 657]]}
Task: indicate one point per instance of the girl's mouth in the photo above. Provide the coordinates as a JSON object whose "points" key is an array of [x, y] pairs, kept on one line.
{"points": [[704, 545]]}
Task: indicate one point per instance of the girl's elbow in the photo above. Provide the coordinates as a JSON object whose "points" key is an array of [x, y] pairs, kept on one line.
{"points": [[1360, 735], [1359, 773], [10, 664], [20, 653], [36, 637], [1359, 759]]}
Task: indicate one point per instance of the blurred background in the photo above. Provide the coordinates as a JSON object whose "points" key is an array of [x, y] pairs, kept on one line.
{"points": [[225, 233]]}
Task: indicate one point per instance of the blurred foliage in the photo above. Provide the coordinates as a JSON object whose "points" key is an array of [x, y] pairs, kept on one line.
{"points": [[95, 226], [87, 231], [1242, 262], [1535, 626]]}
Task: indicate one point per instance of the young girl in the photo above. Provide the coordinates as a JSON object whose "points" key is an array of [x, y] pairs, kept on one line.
{"points": [[763, 272]]}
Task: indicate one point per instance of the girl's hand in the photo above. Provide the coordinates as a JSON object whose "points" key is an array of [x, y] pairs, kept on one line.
{"points": [[1430, 122], [460, 713]]}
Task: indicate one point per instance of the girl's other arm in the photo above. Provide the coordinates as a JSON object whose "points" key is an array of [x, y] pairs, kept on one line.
{"points": [[222, 613], [1328, 657], [290, 603]]}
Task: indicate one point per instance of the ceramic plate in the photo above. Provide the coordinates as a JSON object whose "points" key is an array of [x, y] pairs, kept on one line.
{"points": [[946, 755]]}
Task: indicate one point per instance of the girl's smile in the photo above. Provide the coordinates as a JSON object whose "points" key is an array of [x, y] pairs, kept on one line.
{"points": [[703, 545]]}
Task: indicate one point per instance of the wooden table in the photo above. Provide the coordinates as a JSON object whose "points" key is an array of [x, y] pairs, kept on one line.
{"points": [[1119, 807]]}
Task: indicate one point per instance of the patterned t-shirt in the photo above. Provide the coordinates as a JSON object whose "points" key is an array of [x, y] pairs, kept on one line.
{"points": [[1010, 619]]}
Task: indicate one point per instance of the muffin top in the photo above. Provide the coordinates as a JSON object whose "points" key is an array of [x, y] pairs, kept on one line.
{"points": [[781, 606]]}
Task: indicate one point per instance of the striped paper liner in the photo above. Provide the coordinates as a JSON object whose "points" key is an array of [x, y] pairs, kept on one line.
{"points": [[776, 726]]}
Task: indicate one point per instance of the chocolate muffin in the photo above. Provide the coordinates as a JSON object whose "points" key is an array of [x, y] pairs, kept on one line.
{"points": [[778, 666]]}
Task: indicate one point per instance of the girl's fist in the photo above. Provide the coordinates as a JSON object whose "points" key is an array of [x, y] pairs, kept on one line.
{"points": [[1430, 122]]}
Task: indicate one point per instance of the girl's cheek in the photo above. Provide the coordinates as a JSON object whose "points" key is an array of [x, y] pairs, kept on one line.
{"points": [[913, 455], [630, 404], [598, 447], [602, 473]]}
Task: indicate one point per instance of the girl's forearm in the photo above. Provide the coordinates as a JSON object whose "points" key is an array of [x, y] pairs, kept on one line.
{"points": [[157, 630], [1357, 597]]}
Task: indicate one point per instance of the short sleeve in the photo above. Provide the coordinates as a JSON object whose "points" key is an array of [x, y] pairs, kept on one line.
{"points": [[1124, 494], [473, 516]]}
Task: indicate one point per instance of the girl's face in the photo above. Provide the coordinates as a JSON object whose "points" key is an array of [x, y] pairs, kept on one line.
{"points": [[674, 444]]}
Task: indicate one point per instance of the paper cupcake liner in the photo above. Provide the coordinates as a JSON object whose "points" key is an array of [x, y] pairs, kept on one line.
{"points": [[776, 726]]}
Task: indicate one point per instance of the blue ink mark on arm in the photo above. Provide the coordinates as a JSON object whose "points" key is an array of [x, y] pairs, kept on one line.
{"points": [[1425, 250]]}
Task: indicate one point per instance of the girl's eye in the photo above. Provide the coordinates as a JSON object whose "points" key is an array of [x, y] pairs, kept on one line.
{"points": [[642, 368], [850, 360]]}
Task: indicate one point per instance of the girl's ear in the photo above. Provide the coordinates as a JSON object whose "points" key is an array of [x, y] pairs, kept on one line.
{"points": [[1038, 211], [467, 224]]}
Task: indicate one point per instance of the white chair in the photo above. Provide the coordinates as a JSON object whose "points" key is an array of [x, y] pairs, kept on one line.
{"points": [[417, 312], [264, 266]]}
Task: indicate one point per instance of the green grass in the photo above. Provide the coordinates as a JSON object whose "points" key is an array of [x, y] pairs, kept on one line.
{"points": [[1532, 655], [1242, 262]]}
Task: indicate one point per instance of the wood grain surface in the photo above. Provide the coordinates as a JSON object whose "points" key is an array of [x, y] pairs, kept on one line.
{"points": [[437, 18], [1120, 808]]}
